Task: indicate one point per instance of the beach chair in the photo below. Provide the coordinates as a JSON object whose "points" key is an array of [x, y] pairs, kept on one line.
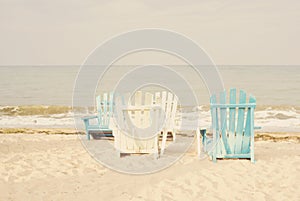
{"points": [[135, 120], [101, 125], [232, 127], [168, 103]]}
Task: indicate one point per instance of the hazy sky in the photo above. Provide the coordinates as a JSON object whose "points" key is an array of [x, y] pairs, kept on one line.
{"points": [[231, 31]]}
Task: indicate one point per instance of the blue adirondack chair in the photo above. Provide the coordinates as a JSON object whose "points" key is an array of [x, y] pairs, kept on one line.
{"points": [[104, 104], [232, 127]]}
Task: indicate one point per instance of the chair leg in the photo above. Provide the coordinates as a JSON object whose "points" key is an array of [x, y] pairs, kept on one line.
{"points": [[164, 140], [252, 146], [214, 151], [204, 140], [86, 124], [119, 154], [88, 135], [156, 155], [252, 153], [214, 158], [174, 136]]}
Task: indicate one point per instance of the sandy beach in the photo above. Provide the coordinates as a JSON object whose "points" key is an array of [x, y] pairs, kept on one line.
{"points": [[71, 67], [57, 167]]}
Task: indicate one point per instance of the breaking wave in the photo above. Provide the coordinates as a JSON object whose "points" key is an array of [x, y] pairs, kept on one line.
{"points": [[282, 118]]}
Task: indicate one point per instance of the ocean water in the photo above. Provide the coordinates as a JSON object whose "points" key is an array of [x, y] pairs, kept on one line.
{"points": [[53, 85], [41, 96]]}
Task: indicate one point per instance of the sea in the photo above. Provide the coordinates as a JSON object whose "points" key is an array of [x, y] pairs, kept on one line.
{"points": [[41, 96]]}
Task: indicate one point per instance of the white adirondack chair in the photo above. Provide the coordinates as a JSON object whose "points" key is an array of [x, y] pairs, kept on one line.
{"points": [[168, 103], [135, 120]]}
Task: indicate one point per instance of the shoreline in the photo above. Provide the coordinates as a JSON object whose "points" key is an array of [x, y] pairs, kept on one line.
{"points": [[259, 136]]}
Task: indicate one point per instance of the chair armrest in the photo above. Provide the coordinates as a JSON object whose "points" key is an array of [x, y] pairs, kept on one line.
{"points": [[89, 117]]}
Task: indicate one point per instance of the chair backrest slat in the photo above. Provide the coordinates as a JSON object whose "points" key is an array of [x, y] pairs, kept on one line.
{"points": [[137, 115], [163, 100], [232, 114], [104, 109], [240, 123], [173, 111], [157, 98], [215, 125], [223, 124], [247, 134], [148, 98], [146, 117], [99, 108], [111, 103], [168, 108]]}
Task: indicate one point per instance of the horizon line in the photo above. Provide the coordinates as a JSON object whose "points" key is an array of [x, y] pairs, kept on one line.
{"points": [[221, 65]]}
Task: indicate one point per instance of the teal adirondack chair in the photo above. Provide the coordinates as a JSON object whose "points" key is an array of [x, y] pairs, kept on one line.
{"points": [[104, 113], [232, 127]]}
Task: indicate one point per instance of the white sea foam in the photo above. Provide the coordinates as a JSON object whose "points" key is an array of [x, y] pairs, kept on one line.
{"points": [[270, 120], [36, 121], [278, 120]]}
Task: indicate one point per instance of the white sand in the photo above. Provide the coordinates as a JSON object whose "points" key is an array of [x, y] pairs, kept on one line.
{"points": [[57, 167]]}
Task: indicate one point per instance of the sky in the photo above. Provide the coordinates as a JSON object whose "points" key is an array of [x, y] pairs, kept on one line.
{"points": [[232, 32]]}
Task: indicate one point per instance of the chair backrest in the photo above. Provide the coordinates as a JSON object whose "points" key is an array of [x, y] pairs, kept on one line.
{"points": [[168, 102], [105, 103], [141, 118], [232, 123]]}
